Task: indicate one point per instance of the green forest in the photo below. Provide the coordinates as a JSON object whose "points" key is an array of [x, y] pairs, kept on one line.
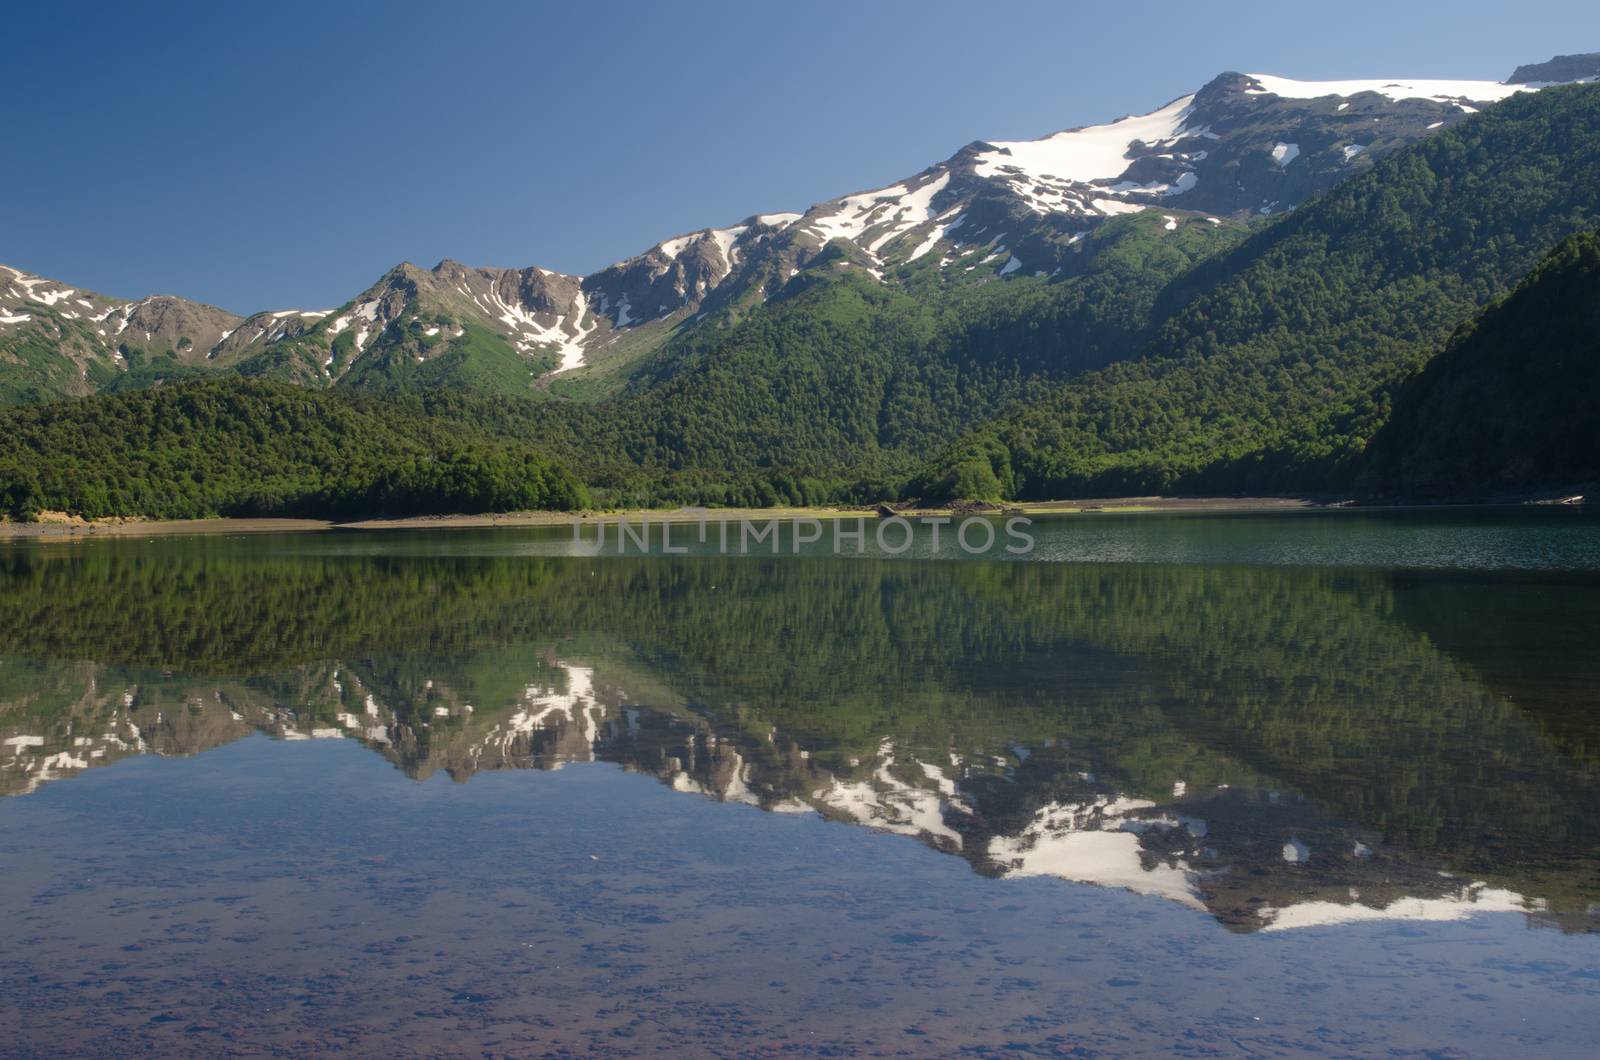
{"points": [[233, 447], [1512, 400]]}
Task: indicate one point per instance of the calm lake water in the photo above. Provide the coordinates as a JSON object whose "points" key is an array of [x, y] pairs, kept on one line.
{"points": [[1199, 785]]}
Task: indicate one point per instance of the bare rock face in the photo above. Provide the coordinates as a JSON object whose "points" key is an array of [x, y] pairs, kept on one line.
{"points": [[57, 340], [164, 325], [1561, 68], [1271, 147]]}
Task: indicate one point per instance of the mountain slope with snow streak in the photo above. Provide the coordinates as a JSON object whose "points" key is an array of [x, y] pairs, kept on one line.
{"points": [[1242, 146], [57, 340]]}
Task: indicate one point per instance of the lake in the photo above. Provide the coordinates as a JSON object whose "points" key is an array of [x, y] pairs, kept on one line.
{"points": [[1319, 783]]}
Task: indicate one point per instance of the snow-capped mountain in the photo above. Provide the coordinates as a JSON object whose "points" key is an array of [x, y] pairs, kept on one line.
{"points": [[1241, 147]]}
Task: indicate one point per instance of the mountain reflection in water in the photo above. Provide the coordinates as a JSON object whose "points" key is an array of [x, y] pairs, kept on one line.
{"points": [[1281, 747]]}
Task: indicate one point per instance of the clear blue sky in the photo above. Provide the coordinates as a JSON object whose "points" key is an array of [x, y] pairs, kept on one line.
{"points": [[278, 154]]}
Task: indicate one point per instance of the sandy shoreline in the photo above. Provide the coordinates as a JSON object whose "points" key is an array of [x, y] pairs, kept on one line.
{"points": [[56, 526], [61, 527]]}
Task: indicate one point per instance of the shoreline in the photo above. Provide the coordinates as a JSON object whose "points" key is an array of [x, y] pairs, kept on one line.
{"points": [[59, 527]]}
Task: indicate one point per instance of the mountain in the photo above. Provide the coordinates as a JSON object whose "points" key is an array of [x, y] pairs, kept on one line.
{"points": [[1561, 68], [1242, 146], [1510, 403], [1269, 366], [1217, 295], [58, 341]]}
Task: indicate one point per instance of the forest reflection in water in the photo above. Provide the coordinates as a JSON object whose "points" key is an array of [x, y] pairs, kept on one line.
{"points": [[1279, 746]]}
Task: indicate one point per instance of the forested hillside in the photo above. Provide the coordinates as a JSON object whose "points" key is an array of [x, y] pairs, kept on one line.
{"points": [[1514, 401], [237, 447], [849, 377], [1274, 364]]}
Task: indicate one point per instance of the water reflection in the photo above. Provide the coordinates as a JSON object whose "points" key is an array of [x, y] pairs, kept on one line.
{"points": [[1276, 746]]}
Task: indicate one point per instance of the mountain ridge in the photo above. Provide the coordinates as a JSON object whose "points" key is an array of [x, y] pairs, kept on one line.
{"points": [[993, 209], [1276, 361], [873, 348]]}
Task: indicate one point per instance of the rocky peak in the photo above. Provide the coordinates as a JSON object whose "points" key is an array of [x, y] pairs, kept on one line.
{"points": [[1561, 68], [167, 323]]}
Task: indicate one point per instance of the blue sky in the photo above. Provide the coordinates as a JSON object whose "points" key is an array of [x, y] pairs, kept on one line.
{"points": [[273, 155]]}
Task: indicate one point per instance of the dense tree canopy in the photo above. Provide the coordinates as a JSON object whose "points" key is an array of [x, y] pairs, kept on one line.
{"points": [[237, 447], [1512, 402]]}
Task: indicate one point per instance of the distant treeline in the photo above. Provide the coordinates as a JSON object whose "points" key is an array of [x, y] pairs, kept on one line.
{"points": [[236, 447]]}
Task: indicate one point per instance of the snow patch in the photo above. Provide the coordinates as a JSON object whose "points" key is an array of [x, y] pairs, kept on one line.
{"points": [[940, 232], [671, 248], [47, 297], [1394, 89], [1112, 207], [1095, 152], [885, 213], [1471, 900], [565, 332], [888, 803], [1086, 843], [725, 239]]}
